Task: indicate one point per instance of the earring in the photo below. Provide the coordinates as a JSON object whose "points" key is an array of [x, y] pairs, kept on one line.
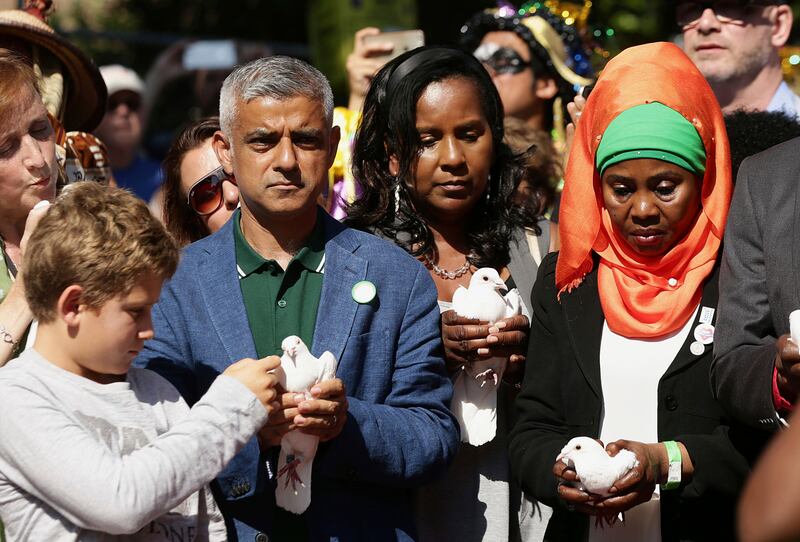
{"points": [[396, 196], [489, 189]]}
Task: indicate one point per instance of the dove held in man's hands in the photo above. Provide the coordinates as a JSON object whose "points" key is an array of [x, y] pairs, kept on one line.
{"points": [[299, 372]]}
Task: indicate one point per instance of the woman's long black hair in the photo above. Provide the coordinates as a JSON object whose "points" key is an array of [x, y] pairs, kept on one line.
{"points": [[388, 127]]}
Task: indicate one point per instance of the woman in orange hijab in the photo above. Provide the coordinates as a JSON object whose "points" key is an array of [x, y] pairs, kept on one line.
{"points": [[623, 325]]}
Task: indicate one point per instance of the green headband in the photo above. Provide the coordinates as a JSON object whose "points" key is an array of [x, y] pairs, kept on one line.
{"points": [[652, 131]]}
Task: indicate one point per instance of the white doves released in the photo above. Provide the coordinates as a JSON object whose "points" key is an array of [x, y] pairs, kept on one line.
{"points": [[298, 372], [475, 388], [596, 470]]}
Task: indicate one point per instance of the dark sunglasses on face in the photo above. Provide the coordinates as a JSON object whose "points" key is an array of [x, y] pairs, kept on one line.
{"points": [[131, 100], [205, 196], [502, 60], [688, 14]]}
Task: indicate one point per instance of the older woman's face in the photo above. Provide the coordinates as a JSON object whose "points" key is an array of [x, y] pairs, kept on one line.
{"points": [[652, 204], [28, 170], [456, 154], [196, 164]]}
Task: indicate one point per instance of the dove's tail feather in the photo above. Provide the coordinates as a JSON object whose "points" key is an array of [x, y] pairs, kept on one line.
{"points": [[294, 479], [474, 401]]}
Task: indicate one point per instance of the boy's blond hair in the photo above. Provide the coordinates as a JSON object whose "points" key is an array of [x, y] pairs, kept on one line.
{"points": [[100, 238]]}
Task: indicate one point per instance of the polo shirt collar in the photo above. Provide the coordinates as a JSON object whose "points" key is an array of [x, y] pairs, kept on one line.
{"points": [[311, 255]]}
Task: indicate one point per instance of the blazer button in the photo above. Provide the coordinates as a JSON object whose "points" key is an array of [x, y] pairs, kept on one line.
{"points": [[261, 537], [670, 402]]}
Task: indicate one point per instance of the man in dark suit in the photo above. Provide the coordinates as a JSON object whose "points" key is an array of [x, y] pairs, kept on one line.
{"points": [[756, 371], [281, 266]]}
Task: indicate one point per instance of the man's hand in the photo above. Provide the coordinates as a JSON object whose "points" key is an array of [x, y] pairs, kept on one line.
{"points": [[362, 65], [256, 375], [466, 340], [787, 362], [574, 109], [325, 414], [281, 420]]}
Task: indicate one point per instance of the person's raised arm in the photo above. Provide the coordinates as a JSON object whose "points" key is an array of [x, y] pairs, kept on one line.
{"points": [[15, 315]]}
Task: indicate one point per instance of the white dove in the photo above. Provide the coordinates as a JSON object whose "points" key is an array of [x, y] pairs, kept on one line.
{"points": [[474, 401], [596, 470], [298, 372]]}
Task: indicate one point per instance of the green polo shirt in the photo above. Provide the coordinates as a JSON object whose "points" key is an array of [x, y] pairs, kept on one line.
{"points": [[280, 303]]}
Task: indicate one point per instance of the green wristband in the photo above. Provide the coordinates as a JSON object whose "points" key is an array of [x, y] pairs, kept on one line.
{"points": [[674, 471]]}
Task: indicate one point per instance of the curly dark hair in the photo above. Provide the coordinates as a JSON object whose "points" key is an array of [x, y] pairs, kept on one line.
{"points": [[388, 127], [183, 223]]}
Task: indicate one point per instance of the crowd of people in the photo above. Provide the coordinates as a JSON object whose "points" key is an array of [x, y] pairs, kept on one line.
{"points": [[646, 217]]}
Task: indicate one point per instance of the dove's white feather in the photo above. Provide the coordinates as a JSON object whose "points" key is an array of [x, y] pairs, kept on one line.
{"points": [[596, 469], [482, 299], [298, 372], [474, 401]]}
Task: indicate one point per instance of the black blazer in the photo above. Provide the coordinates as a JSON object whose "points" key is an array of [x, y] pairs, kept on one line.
{"points": [[561, 398]]}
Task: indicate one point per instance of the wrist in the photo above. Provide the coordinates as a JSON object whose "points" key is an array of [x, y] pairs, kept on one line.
{"points": [[672, 467], [782, 397]]}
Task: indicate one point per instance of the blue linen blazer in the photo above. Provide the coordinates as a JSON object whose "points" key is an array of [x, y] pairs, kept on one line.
{"points": [[399, 433]]}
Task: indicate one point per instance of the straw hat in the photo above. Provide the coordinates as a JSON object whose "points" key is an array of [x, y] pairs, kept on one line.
{"points": [[86, 92]]}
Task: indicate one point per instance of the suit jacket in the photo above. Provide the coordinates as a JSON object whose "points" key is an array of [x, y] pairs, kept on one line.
{"points": [[522, 266], [562, 398], [759, 282], [399, 432]]}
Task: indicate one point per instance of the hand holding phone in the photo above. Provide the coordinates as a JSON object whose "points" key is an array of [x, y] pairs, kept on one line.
{"points": [[371, 50]]}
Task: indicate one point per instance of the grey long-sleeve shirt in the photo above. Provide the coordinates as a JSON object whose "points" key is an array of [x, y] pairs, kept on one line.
{"points": [[124, 461]]}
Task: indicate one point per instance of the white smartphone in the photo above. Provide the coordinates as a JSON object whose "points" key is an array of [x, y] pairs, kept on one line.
{"points": [[403, 40]]}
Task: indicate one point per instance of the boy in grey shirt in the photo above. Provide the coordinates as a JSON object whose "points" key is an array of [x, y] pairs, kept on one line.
{"points": [[91, 449]]}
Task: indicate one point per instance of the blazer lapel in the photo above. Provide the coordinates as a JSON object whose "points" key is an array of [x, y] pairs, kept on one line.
{"points": [[219, 280], [337, 308], [710, 299], [584, 318]]}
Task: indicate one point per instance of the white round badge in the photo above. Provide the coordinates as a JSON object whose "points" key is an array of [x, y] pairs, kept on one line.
{"points": [[704, 333], [697, 348], [364, 292]]}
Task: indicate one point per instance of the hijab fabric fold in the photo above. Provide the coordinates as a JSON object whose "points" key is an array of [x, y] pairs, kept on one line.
{"points": [[644, 297]]}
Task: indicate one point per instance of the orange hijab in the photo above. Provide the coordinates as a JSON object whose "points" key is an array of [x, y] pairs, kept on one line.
{"points": [[635, 292]]}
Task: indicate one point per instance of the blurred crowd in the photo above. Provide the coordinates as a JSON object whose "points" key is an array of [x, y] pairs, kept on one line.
{"points": [[504, 294]]}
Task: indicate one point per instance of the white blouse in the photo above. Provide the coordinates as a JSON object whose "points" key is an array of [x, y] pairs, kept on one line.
{"points": [[630, 370]]}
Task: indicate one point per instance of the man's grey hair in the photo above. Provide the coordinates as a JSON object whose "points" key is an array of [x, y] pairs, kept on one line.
{"points": [[276, 77]]}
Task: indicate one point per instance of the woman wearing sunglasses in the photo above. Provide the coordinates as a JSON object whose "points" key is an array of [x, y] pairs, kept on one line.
{"points": [[198, 196], [623, 320]]}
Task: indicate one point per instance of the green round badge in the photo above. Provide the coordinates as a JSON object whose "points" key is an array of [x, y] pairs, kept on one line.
{"points": [[364, 291]]}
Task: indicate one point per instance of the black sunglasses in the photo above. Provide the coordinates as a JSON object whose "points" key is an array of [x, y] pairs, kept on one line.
{"points": [[502, 60], [205, 196], [687, 14]]}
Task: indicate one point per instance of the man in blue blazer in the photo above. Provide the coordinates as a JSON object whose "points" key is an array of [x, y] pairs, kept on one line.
{"points": [[282, 266]]}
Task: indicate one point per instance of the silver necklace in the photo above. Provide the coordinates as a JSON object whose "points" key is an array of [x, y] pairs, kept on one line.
{"points": [[444, 273]]}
